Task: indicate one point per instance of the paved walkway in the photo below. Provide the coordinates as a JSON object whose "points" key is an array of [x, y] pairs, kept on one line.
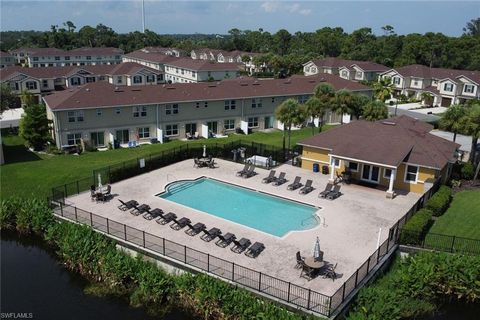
{"points": [[348, 237]]}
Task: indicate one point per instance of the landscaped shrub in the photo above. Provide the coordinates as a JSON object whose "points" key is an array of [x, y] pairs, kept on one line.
{"points": [[468, 170], [417, 285], [414, 230], [440, 201]]}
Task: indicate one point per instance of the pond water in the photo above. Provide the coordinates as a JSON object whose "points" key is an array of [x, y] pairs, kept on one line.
{"points": [[35, 285], [457, 311]]}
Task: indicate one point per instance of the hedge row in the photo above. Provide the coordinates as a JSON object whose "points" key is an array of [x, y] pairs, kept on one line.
{"points": [[95, 256], [415, 229], [440, 201], [417, 285]]}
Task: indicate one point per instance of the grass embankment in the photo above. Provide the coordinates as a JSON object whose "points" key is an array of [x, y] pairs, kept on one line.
{"points": [[418, 285], [26, 173], [140, 282], [462, 219]]}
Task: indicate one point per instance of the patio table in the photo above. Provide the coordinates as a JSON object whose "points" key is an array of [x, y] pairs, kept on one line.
{"points": [[314, 264]]}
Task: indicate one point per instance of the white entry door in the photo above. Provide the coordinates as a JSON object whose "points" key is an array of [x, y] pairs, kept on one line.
{"points": [[371, 173]]}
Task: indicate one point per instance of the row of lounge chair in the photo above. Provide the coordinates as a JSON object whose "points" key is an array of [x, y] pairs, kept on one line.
{"points": [[223, 241], [247, 171], [331, 191], [277, 181]]}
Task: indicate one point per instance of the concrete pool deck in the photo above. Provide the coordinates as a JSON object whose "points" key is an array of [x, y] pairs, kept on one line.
{"points": [[348, 237]]}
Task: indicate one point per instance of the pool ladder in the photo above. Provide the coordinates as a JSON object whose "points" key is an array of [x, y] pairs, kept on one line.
{"points": [[312, 217]]}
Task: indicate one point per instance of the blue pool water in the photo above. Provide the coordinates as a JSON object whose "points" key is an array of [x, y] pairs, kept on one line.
{"points": [[270, 214]]}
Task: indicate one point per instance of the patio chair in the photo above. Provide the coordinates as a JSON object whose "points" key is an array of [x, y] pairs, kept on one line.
{"points": [[250, 172], [179, 224], [138, 210], [93, 192], [241, 245], [330, 272], [211, 164], [155, 213], [224, 241], [197, 163], [244, 170], [164, 219], [295, 184], [196, 135], [307, 272], [104, 196], [335, 193], [210, 234], [124, 206], [280, 180], [255, 250], [189, 136], [300, 260], [328, 189], [195, 229], [307, 188], [270, 178]]}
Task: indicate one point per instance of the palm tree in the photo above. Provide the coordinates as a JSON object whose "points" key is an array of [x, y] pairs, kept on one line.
{"points": [[383, 89], [471, 124], [451, 119], [473, 27], [315, 108], [344, 101], [289, 113], [359, 102], [324, 92], [375, 110]]}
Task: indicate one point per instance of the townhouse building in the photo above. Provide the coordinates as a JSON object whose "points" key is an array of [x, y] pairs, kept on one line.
{"points": [[346, 69], [174, 52], [6, 59], [99, 114], [42, 81], [189, 70], [446, 86], [223, 56], [52, 57], [151, 59]]}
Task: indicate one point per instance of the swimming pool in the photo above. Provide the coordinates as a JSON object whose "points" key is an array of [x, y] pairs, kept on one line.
{"points": [[267, 213]]}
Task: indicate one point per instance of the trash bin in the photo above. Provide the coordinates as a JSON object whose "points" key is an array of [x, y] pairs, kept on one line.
{"points": [[316, 167], [325, 169]]}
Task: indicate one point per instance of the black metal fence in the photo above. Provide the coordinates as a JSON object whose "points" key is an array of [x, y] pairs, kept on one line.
{"points": [[440, 242], [153, 161], [261, 282]]}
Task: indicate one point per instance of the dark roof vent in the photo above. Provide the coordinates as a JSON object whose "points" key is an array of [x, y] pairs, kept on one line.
{"points": [[170, 88], [136, 89], [389, 123], [243, 84], [212, 85]]}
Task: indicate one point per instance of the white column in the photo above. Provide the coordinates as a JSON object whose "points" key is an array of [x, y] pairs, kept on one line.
{"points": [[244, 126], [332, 169], [390, 192]]}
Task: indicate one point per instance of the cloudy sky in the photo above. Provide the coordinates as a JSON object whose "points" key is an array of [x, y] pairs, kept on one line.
{"points": [[448, 17]]}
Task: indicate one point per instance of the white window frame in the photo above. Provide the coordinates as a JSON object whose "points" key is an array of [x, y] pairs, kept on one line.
{"points": [[450, 86], [229, 124], [396, 80], [137, 79], [31, 85], [150, 78], [252, 121], [173, 127], [143, 132], [468, 86], [171, 109], [99, 112], [75, 138], [256, 103], [139, 111], [230, 104], [406, 173]]}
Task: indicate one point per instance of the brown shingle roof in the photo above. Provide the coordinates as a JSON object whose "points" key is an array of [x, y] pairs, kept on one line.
{"points": [[203, 65], [421, 71], [126, 68], [102, 94], [387, 142], [156, 57], [337, 63]]}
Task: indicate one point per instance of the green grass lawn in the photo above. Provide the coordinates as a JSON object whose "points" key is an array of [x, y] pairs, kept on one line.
{"points": [[462, 219], [26, 173]]}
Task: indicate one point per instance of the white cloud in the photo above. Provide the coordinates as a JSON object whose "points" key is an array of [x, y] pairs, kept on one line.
{"points": [[293, 8], [270, 6], [305, 12]]}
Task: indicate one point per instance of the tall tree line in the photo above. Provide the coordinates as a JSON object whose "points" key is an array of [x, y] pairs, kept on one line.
{"points": [[282, 48]]}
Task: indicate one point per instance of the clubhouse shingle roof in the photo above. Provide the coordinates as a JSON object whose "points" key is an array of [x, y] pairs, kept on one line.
{"points": [[156, 57], [388, 142], [102, 94]]}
